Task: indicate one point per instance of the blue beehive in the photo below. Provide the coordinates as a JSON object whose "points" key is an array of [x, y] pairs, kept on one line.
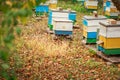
{"points": [[108, 3], [72, 16], [41, 9], [58, 14], [90, 26], [110, 10]]}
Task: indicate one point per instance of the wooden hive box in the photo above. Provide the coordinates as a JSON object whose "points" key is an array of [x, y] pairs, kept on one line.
{"points": [[62, 27], [110, 10], [60, 14], [90, 26], [41, 9], [53, 4], [109, 37], [91, 4]]}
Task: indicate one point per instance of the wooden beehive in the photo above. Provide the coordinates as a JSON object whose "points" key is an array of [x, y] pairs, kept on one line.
{"points": [[110, 10], [91, 4], [41, 9], [109, 37], [90, 26], [60, 14], [62, 27], [53, 4]]}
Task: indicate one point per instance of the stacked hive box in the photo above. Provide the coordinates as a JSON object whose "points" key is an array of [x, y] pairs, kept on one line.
{"points": [[91, 4], [41, 9], [110, 10], [109, 37], [60, 14], [90, 26], [53, 4], [62, 27]]}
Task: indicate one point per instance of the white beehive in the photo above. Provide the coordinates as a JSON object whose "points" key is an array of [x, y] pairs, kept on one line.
{"points": [[61, 26]]}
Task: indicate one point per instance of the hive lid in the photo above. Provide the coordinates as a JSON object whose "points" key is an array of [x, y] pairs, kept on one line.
{"points": [[107, 24], [45, 4], [100, 17], [62, 20]]}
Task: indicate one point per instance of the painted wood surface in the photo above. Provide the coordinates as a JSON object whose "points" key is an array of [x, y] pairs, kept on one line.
{"points": [[42, 8], [90, 40], [109, 43], [89, 34], [93, 21], [52, 5], [91, 7], [60, 14], [57, 14], [91, 4], [110, 31], [90, 29], [110, 10], [111, 13], [63, 25], [114, 51], [60, 32]]}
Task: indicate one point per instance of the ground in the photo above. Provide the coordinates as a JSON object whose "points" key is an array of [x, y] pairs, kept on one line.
{"points": [[42, 58]]}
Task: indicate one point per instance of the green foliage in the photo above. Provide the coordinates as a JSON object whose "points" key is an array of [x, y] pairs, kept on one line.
{"points": [[12, 13], [92, 64], [79, 7]]}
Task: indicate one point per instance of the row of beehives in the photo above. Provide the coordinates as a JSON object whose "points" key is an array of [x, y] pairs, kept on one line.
{"points": [[89, 4], [106, 33], [61, 21], [44, 8], [52, 4], [110, 10]]}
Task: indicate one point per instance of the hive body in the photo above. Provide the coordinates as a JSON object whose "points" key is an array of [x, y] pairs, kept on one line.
{"points": [[110, 36], [90, 26]]}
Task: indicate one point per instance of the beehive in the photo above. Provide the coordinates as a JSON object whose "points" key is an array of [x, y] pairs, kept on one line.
{"points": [[110, 10], [53, 4], [60, 14], [62, 26], [41, 9], [91, 4], [109, 37], [90, 26]]}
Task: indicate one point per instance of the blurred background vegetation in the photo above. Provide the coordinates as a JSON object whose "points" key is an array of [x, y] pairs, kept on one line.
{"points": [[12, 13]]}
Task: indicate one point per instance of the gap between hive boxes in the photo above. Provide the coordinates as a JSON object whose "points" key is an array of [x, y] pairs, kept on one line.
{"points": [[76, 26], [110, 58]]}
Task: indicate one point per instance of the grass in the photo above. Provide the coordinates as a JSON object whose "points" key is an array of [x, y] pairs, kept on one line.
{"points": [[47, 59]]}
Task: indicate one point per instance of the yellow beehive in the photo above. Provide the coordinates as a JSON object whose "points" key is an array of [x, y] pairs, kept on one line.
{"points": [[109, 37], [53, 5], [91, 4], [110, 43]]}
